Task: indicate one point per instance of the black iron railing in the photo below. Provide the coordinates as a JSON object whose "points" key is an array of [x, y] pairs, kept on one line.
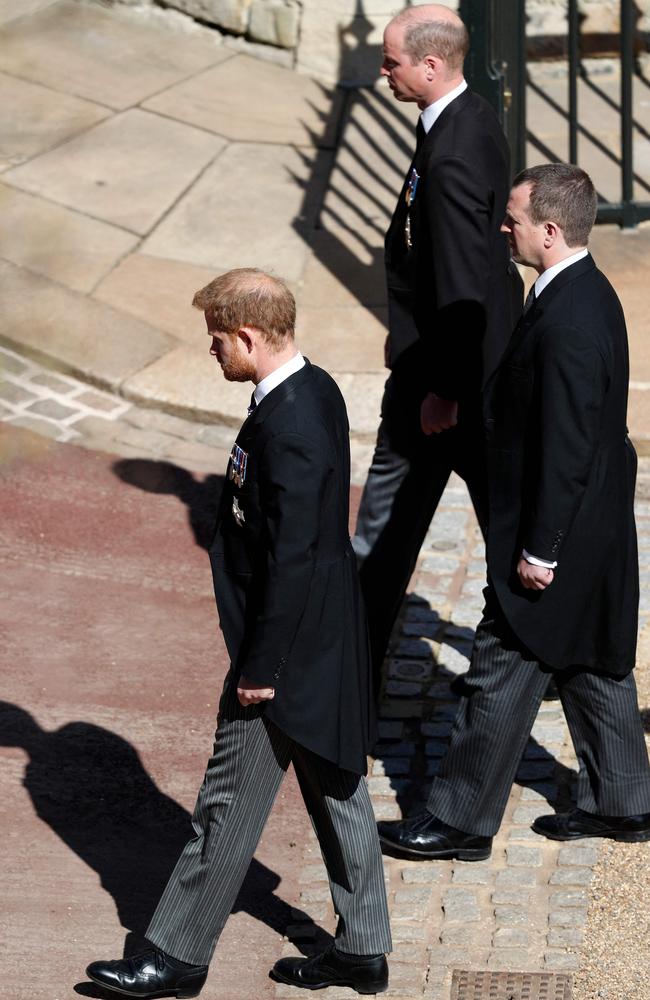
{"points": [[497, 68]]}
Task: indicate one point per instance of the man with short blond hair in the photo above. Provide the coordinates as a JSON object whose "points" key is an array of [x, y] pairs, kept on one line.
{"points": [[563, 581], [298, 690], [450, 308]]}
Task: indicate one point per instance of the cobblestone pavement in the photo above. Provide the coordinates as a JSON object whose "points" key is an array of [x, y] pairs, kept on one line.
{"points": [[525, 908], [65, 409]]}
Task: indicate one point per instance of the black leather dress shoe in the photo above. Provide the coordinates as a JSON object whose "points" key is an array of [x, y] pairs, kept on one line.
{"points": [[151, 974], [426, 836], [577, 823], [365, 974]]}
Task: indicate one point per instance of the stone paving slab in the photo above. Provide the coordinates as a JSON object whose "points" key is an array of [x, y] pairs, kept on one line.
{"points": [[74, 332], [231, 219], [59, 244], [45, 119], [353, 335], [372, 156], [108, 55], [159, 292], [128, 170], [187, 374], [295, 111], [10, 10], [340, 272]]}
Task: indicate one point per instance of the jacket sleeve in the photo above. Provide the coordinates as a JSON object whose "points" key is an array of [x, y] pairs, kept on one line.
{"points": [[571, 385], [459, 209], [292, 476]]}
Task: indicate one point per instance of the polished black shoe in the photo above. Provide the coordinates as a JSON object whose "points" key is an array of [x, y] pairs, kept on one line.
{"points": [[426, 836], [576, 824], [365, 974], [148, 975]]}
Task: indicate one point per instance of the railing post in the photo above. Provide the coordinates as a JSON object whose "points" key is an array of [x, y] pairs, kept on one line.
{"points": [[496, 64], [574, 67], [627, 68]]}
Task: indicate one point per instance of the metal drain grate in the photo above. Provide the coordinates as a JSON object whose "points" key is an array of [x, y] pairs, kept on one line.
{"points": [[510, 986]]}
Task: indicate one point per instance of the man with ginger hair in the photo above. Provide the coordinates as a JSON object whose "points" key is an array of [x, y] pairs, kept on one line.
{"points": [[298, 690], [451, 302]]}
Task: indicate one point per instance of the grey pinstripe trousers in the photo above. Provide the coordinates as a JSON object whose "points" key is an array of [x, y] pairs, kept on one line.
{"points": [[249, 761], [503, 692]]}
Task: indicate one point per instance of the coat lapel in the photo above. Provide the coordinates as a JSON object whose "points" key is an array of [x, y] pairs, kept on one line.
{"points": [[280, 394], [541, 303]]}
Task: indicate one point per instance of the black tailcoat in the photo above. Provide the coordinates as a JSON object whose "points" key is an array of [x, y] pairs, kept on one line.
{"points": [[285, 575], [450, 298], [561, 476]]}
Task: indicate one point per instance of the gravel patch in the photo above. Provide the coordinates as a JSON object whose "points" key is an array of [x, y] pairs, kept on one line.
{"points": [[616, 957]]}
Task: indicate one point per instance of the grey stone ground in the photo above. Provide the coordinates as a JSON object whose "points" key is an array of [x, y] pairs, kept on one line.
{"points": [[136, 162]]}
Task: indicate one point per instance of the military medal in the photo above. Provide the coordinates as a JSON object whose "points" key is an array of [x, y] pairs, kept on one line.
{"points": [[237, 512], [409, 198], [238, 464]]}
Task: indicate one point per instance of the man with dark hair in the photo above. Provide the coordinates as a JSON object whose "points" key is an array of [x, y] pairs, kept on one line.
{"points": [[562, 593], [450, 307], [298, 690]]}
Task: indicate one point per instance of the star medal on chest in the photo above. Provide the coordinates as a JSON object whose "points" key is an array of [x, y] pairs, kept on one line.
{"points": [[409, 198], [238, 464], [237, 512]]}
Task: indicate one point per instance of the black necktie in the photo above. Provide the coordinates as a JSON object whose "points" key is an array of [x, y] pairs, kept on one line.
{"points": [[252, 404], [530, 300], [420, 134]]}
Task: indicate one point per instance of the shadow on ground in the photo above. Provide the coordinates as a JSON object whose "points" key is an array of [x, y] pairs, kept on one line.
{"points": [[429, 732], [201, 497], [88, 784]]}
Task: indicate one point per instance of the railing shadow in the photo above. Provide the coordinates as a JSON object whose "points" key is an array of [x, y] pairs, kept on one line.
{"points": [[349, 195]]}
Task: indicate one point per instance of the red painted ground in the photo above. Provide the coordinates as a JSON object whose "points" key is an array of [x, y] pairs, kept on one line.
{"points": [[112, 667]]}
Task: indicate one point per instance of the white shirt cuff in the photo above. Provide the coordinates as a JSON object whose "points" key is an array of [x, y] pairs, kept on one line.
{"points": [[534, 561]]}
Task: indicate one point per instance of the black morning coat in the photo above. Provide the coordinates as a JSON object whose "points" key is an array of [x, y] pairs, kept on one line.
{"points": [[452, 300], [561, 476], [285, 574]]}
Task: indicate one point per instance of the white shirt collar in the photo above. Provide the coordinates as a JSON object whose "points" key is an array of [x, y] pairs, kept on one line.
{"points": [[433, 111], [273, 380], [546, 277]]}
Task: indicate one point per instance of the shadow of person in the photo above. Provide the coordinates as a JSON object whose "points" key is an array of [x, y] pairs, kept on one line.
{"points": [[201, 497], [88, 784]]}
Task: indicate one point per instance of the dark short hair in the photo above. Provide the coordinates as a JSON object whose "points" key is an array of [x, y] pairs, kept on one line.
{"points": [[564, 194], [249, 297]]}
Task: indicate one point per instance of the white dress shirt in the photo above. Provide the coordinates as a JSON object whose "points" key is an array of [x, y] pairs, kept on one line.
{"points": [[545, 278], [433, 111], [273, 380]]}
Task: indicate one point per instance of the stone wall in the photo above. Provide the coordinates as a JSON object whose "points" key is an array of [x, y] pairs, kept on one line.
{"points": [[341, 39]]}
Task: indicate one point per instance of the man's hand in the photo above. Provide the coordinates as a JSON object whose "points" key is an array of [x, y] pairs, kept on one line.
{"points": [[252, 694], [438, 414], [534, 577]]}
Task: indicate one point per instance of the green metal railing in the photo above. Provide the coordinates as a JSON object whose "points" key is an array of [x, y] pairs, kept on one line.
{"points": [[496, 68]]}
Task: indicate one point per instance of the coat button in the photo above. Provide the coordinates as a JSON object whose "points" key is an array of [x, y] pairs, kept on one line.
{"points": [[276, 675]]}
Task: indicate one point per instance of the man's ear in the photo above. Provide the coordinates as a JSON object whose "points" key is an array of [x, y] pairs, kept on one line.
{"points": [[247, 341], [432, 66], [551, 233]]}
